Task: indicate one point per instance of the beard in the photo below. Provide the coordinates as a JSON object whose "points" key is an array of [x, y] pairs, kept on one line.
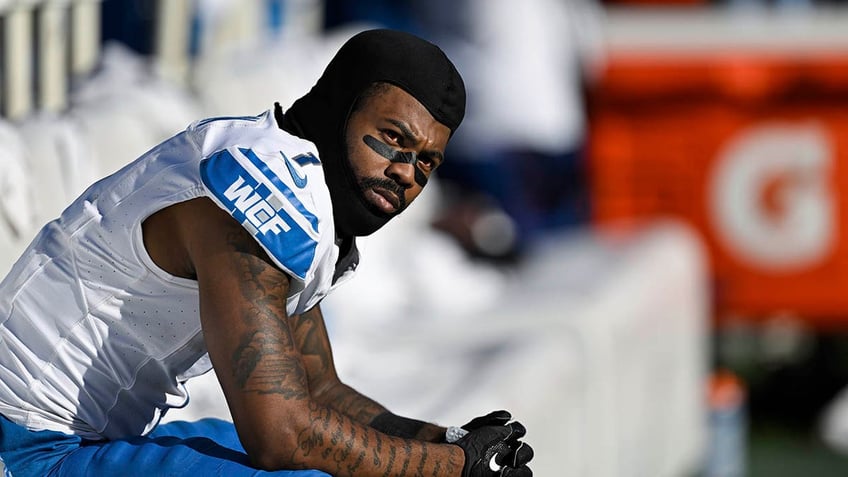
{"points": [[353, 214], [387, 184]]}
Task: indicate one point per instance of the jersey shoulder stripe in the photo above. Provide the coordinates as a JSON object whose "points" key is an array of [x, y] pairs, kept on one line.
{"points": [[286, 191], [242, 184]]}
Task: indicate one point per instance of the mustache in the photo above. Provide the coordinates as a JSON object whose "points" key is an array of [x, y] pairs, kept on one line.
{"points": [[388, 185]]}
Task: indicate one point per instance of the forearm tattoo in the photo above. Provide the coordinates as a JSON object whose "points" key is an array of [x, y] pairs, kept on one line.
{"points": [[355, 450]]}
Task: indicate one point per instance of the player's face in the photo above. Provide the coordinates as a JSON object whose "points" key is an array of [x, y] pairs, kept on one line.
{"points": [[394, 144]]}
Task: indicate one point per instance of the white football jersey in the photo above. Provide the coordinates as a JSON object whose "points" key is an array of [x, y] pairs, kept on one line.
{"points": [[96, 339]]}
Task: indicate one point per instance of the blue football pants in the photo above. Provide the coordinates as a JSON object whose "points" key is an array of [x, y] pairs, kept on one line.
{"points": [[209, 447]]}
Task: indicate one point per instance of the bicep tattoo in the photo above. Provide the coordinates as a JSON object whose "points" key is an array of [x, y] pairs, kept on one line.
{"points": [[265, 360]]}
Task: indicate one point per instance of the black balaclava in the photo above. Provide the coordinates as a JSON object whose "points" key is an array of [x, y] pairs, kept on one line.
{"points": [[411, 63]]}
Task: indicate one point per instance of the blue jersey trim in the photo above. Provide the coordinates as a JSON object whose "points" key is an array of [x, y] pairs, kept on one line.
{"points": [[260, 211], [228, 118], [306, 158]]}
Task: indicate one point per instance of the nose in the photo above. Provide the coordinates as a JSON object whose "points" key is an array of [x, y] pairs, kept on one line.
{"points": [[402, 173]]}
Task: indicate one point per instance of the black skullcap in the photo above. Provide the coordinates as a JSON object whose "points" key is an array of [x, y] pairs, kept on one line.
{"points": [[415, 65]]}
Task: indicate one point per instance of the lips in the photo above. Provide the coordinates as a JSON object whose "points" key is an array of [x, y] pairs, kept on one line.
{"points": [[386, 201]]}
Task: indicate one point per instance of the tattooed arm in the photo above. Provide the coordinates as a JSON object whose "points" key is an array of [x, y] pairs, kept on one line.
{"points": [[268, 365], [326, 388]]}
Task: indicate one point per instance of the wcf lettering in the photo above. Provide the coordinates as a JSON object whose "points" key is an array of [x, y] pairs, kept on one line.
{"points": [[256, 209]]}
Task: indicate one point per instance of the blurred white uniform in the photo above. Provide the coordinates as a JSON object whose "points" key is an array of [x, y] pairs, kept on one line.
{"points": [[96, 339]]}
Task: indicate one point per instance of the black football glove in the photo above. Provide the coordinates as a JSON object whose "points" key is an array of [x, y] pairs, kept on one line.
{"points": [[522, 455], [496, 451], [494, 418]]}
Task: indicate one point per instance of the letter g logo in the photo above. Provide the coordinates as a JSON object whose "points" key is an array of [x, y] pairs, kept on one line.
{"points": [[770, 199]]}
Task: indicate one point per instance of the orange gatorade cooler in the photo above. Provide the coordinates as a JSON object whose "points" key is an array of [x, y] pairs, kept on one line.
{"points": [[747, 143]]}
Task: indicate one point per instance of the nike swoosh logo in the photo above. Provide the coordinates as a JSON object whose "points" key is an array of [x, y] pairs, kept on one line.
{"points": [[299, 181], [494, 466]]}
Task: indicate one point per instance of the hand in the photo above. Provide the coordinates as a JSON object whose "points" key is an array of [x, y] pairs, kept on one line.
{"points": [[496, 451], [494, 418]]}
